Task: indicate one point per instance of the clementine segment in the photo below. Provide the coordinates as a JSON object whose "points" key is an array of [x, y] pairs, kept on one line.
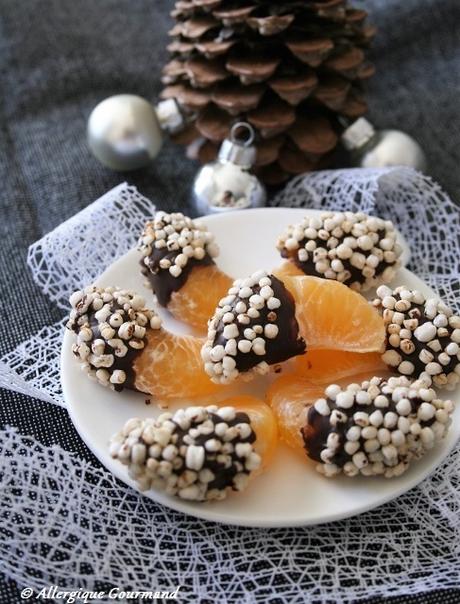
{"points": [[195, 302], [290, 397], [328, 366], [287, 269], [333, 316], [170, 366]]}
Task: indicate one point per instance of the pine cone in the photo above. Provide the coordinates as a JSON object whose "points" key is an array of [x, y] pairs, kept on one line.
{"points": [[290, 68]]}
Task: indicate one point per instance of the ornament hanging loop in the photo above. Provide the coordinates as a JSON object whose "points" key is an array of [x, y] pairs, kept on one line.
{"points": [[248, 130], [237, 150]]}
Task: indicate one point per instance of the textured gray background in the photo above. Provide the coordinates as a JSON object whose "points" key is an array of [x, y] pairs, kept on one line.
{"points": [[58, 58]]}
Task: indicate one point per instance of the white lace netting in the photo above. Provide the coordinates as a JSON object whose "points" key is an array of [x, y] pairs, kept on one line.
{"points": [[68, 522], [77, 251]]}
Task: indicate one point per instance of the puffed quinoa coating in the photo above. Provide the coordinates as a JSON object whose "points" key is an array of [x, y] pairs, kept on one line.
{"points": [[170, 246], [421, 335], [196, 453], [358, 250], [384, 425], [110, 325]]}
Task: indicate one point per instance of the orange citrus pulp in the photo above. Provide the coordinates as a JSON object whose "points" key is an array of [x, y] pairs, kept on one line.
{"points": [[287, 269], [328, 366], [195, 302], [170, 366], [335, 317], [290, 398]]}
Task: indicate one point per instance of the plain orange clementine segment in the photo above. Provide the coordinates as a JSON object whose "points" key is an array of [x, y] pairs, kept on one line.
{"points": [[290, 398], [195, 302], [287, 269], [170, 366], [263, 422], [329, 366], [335, 317]]}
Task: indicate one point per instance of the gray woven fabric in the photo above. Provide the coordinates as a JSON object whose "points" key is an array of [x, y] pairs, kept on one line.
{"points": [[58, 58]]}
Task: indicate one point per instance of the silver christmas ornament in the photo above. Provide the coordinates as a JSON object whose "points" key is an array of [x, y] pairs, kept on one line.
{"points": [[125, 131], [370, 148], [227, 183]]}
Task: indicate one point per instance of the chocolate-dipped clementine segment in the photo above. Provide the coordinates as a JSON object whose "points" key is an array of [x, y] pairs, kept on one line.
{"points": [[196, 301], [199, 453], [170, 367], [121, 344], [177, 259], [374, 427], [171, 245], [422, 335], [110, 325], [290, 398], [356, 249], [287, 269]]}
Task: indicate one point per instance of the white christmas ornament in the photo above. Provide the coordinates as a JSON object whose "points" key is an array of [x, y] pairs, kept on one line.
{"points": [[371, 148], [227, 183], [125, 131]]}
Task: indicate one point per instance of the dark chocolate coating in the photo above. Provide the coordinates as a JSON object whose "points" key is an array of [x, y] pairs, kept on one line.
{"points": [[125, 363], [287, 344], [223, 476], [318, 428], [161, 281]]}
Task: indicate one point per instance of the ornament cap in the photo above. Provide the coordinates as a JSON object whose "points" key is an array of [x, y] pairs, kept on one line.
{"points": [[358, 134], [170, 116], [238, 149]]}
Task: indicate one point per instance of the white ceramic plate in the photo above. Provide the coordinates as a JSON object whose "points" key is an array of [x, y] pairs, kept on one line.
{"points": [[290, 492]]}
